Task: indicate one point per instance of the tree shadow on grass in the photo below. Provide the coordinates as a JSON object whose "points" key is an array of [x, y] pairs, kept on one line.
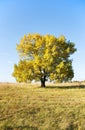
{"points": [[66, 87], [26, 127]]}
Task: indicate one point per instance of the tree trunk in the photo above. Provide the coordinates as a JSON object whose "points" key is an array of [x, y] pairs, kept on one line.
{"points": [[43, 82]]}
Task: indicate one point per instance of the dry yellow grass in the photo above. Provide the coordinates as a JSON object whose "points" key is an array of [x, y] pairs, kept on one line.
{"points": [[29, 107]]}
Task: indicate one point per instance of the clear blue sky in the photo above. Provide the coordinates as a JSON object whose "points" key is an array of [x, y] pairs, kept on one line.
{"points": [[19, 17]]}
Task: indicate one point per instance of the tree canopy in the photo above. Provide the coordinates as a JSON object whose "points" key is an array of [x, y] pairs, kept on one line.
{"points": [[44, 57]]}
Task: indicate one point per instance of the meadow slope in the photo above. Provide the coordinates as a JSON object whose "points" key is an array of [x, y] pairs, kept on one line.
{"points": [[29, 107]]}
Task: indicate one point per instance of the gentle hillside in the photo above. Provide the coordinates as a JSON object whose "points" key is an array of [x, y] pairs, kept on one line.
{"points": [[29, 107]]}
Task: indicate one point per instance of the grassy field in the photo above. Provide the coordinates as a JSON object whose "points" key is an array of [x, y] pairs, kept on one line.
{"points": [[29, 107]]}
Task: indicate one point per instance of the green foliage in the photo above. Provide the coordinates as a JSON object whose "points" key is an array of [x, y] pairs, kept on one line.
{"points": [[44, 57]]}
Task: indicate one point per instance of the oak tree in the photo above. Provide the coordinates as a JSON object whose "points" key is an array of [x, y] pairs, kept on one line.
{"points": [[44, 57]]}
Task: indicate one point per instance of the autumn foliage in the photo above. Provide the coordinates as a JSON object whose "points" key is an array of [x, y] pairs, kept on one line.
{"points": [[44, 57]]}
